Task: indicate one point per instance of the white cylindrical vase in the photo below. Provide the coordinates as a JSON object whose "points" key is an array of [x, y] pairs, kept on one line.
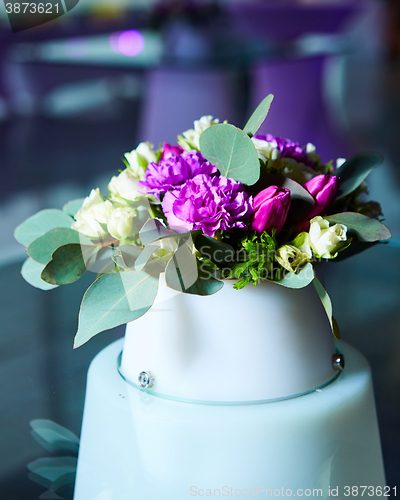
{"points": [[252, 344]]}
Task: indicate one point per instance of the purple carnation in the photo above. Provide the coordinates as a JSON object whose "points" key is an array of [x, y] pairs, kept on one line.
{"points": [[209, 204], [288, 149], [173, 171]]}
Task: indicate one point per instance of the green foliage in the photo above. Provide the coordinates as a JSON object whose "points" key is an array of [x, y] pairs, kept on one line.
{"points": [[232, 152], [362, 227], [54, 437], [258, 116], [326, 302], [72, 207], [68, 263], [299, 279], [216, 251], [31, 272], [355, 170], [39, 224], [115, 299], [43, 247], [255, 260]]}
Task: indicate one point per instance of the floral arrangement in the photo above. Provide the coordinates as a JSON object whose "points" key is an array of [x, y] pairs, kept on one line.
{"points": [[221, 204]]}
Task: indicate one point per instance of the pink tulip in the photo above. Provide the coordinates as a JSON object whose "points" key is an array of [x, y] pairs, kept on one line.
{"points": [[323, 188], [271, 206]]}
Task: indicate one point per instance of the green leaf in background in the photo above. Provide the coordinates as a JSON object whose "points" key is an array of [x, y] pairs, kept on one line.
{"points": [[326, 302], [361, 226], [54, 467], [355, 170], [232, 152], [298, 280], [54, 437], [218, 252], [42, 248], [205, 284], [68, 263], [39, 224], [355, 248], [72, 207], [258, 116], [115, 299], [31, 272], [125, 256]]}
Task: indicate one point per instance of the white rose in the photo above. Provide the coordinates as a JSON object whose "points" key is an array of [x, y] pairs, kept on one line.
{"points": [[121, 223], [190, 139], [326, 241], [93, 213], [265, 150], [124, 187], [139, 158]]}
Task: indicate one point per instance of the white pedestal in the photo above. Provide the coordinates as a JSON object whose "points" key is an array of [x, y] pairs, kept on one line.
{"points": [[139, 446]]}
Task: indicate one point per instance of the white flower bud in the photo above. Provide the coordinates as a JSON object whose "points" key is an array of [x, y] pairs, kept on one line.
{"points": [[326, 241], [121, 223], [191, 138], [94, 213], [139, 158], [124, 187], [266, 150]]}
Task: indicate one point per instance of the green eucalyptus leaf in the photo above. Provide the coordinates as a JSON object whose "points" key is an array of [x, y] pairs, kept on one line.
{"points": [[31, 272], [361, 226], [54, 437], [355, 248], [153, 230], [72, 207], [181, 271], [66, 480], [69, 262], [355, 170], [43, 247], [39, 224], [144, 256], [326, 302], [216, 251], [205, 283], [125, 256], [49, 495], [115, 299], [232, 152], [258, 116], [298, 280]]}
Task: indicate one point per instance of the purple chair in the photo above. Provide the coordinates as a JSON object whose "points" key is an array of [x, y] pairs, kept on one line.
{"points": [[174, 98], [298, 111]]}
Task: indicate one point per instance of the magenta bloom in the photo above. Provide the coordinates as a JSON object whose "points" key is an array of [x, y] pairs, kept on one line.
{"points": [[288, 149], [208, 203], [323, 188], [271, 206], [169, 150], [174, 171]]}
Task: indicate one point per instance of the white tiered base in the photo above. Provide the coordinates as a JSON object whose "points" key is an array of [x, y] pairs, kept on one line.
{"points": [[139, 446]]}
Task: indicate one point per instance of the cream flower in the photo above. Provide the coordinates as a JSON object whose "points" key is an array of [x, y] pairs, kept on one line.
{"points": [[295, 254], [191, 138], [326, 241], [124, 187], [265, 150], [139, 158], [121, 223], [93, 215]]}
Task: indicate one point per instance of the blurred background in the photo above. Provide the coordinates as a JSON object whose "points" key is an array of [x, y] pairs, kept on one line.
{"points": [[78, 92]]}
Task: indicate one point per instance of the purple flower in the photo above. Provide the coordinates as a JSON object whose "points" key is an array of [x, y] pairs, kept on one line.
{"points": [[323, 188], [169, 150], [208, 203], [288, 149], [271, 206], [174, 171]]}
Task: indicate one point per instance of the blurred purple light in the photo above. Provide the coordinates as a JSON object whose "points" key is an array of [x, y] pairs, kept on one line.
{"points": [[130, 42]]}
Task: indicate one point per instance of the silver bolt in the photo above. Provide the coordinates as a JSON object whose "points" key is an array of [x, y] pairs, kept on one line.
{"points": [[338, 361], [146, 380]]}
